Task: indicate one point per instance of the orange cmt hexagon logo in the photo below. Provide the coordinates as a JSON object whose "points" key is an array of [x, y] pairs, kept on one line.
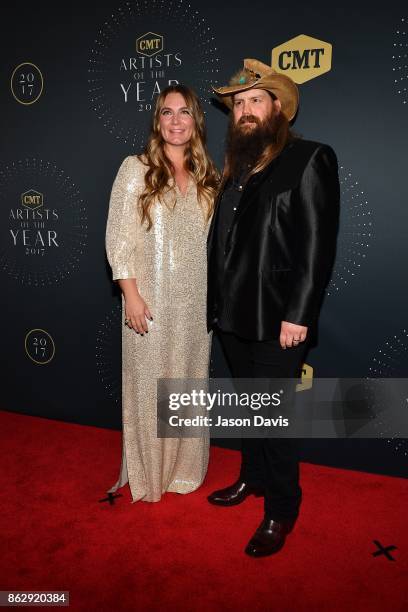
{"points": [[302, 58], [149, 44], [306, 380], [32, 199]]}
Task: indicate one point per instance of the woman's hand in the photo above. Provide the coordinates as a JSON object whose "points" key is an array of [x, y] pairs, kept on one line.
{"points": [[136, 309], [136, 313]]}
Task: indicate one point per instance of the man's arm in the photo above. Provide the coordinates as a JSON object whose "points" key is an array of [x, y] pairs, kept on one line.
{"points": [[317, 219]]}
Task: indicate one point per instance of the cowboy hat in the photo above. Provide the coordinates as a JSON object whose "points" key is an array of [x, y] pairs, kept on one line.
{"points": [[257, 75]]}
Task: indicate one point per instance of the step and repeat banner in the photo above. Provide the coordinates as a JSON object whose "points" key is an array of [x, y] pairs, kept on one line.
{"points": [[77, 92]]}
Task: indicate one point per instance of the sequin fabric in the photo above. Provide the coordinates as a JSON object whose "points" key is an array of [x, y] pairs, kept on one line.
{"points": [[169, 264]]}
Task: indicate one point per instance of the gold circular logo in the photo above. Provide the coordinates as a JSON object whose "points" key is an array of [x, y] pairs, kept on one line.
{"points": [[26, 83], [39, 346]]}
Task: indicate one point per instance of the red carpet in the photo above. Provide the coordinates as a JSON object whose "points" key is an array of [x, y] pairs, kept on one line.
{"points": [[183, 553]]}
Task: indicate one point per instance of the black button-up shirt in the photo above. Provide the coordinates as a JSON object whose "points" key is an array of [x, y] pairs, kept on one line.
{"points": [[228, 205]]}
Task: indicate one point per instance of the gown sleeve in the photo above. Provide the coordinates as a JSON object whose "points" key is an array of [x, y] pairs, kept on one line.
{"points": [[123, 221]]}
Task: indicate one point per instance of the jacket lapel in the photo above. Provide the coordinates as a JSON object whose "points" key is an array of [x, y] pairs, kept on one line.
{"points": [[249, 193], [255, 183], [213, 222], [251, 189]]}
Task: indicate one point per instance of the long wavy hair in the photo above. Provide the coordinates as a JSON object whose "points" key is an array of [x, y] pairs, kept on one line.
{"points": [[196, 159]]}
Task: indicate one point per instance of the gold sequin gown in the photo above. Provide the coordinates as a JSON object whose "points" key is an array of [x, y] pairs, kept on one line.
{"points": [[169, 264]]}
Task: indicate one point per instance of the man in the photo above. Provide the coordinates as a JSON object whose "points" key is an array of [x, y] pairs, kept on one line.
{"points": [[271, 246]]}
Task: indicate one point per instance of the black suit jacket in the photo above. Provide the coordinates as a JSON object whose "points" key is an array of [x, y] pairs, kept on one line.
{"points": [[281, 245]]}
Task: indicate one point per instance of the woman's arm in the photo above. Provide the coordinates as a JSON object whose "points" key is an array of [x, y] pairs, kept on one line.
{"points": [[121, 243]]}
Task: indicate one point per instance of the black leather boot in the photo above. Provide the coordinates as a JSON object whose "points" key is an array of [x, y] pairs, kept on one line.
{"points": [[233, 495], [269, 538]]}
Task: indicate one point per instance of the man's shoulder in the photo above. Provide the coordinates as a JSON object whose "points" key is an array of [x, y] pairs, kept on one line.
{"points": [[307, 148], [304, 149], [295, 158], [299, 153]]}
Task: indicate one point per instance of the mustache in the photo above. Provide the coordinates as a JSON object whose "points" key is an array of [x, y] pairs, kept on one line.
{"points": [[249, 119]]}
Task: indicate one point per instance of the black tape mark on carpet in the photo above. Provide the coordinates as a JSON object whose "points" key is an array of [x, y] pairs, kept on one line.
{"points": [[111, 498], [384, 550]]}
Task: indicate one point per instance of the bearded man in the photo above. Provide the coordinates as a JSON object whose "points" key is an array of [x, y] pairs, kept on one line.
{"points": [[271, 246]]}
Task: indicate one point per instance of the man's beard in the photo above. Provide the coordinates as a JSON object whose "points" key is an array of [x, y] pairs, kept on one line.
{"points": [[245, 145]]}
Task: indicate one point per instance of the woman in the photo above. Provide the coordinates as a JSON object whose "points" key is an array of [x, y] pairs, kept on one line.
{"points": [[157, 226]]}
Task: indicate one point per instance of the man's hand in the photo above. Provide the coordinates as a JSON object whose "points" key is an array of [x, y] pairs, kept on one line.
{"points": [[291, 334]]}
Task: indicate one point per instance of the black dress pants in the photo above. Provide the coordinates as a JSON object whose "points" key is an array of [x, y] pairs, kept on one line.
{"points": [[270, 463]]}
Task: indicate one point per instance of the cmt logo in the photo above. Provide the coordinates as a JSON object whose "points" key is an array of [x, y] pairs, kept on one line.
{"points": [[149, 44], [32, 199], [302, 58], [306, 378]]}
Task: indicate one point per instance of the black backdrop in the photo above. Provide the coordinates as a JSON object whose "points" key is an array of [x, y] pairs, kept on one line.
{"points": [[60, 320]]}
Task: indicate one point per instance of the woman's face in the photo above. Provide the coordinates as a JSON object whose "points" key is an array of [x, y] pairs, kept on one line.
{"points": [[176, 121]]}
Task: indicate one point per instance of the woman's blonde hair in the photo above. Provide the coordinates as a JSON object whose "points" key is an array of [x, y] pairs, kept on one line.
{"points": [[196, 159]]}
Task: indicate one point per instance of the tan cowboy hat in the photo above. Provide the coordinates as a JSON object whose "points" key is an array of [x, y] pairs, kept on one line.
{"points": [[256, 74]]}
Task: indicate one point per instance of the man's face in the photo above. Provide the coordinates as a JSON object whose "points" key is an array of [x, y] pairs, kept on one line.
{"points": [[251, 108]]}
